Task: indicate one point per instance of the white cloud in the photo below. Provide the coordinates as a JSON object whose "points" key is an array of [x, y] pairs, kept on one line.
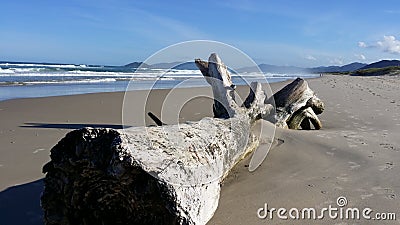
{"points": [[336, 61], [362, 44], [389, 44], [360, 56], [310, 57]]}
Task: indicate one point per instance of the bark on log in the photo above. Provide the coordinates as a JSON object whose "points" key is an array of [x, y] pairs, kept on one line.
{"points": [[152, 175]]}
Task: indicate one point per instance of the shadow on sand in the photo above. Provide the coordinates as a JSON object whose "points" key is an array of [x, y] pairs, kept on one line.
{"points": [[20, 205], [72, 126]]}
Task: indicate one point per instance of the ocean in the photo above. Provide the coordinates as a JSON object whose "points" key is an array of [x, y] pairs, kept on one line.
{"points": [[30, 80]]}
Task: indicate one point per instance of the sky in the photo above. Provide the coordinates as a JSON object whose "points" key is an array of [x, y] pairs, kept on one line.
{"points": [[296, 33]]}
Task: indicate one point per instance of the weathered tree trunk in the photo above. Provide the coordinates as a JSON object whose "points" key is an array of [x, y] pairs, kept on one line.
{"points": [[167, 174], [296, 106], [152, 175]]}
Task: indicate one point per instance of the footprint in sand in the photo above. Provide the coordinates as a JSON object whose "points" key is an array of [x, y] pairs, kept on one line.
{"points": [[343, 177], [330, 153], [366, 196], [387, 166], [353, 139], [353, 146], [388, 146], [354, 165], [337, 188], [387, 193]]}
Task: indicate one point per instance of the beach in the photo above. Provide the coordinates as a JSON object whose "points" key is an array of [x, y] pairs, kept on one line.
{"points": [[355, 155]]}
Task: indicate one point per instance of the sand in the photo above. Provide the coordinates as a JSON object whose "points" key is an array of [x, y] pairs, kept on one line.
{"points": [[355, 155]]}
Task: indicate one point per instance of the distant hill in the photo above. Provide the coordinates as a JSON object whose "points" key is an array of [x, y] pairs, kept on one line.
{"points": [[186, 66], [390, 70], [338, 69], [192, 66], [281, 69], [382, 64], [266, 68], [137, 64], [175, 65], [164, 65], [171, 65]]}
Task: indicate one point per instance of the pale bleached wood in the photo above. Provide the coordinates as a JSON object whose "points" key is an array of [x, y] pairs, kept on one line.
{"points": [[296, 103], [217, 75], [303, 118], [168, 174]]}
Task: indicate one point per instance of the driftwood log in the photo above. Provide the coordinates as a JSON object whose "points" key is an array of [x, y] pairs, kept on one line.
{"points": [[296, 106], [167, 174]]}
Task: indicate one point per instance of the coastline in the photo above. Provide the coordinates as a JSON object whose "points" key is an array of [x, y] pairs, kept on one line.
{"points": [[354, 155], [65, 88]]}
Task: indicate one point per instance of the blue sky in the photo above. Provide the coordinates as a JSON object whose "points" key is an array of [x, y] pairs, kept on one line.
{"points": [[299, 33]]}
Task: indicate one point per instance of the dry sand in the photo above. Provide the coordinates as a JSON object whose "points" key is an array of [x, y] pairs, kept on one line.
{"points": [[356, 154]]}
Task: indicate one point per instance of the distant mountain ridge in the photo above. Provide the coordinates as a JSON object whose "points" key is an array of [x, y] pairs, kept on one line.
{"points": [[267, 68], [171, 65], [335, 69], [382, 64], [137, 65]]}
